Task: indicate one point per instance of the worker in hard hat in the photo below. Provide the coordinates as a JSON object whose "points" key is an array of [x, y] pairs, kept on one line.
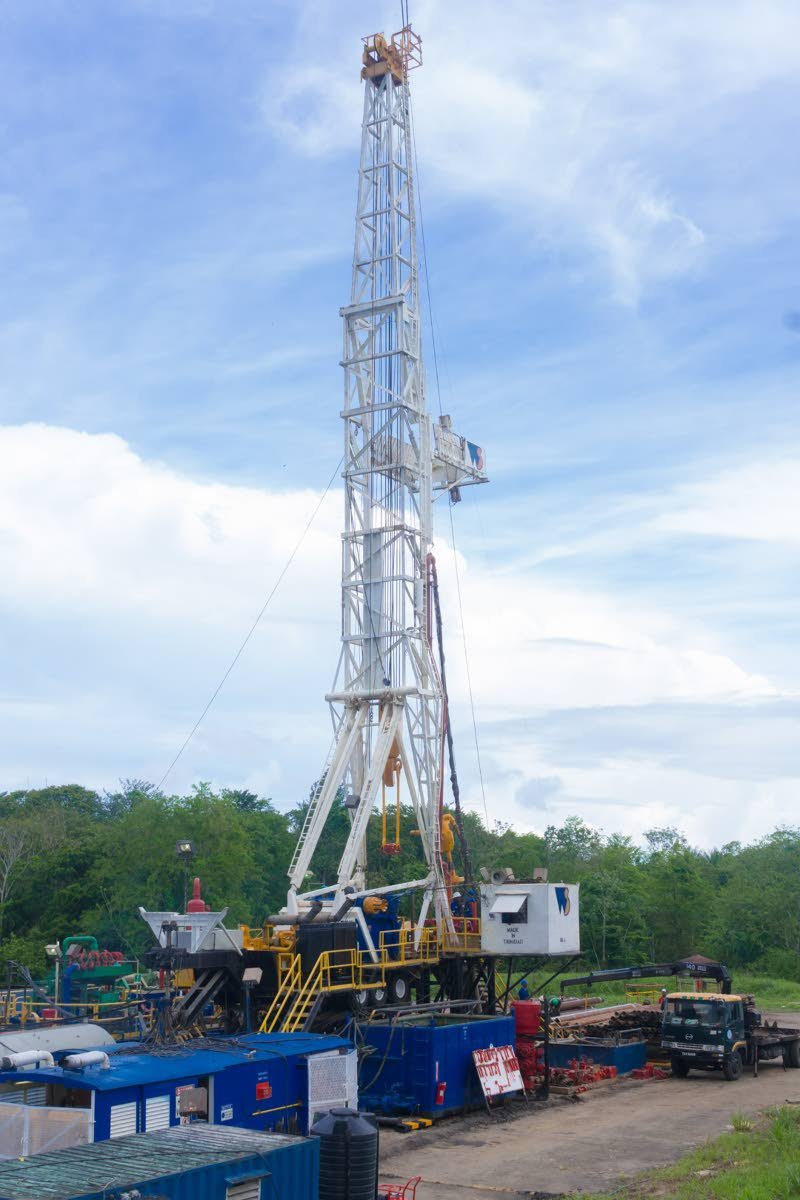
{"points": [[524, 990], [663, 998]]}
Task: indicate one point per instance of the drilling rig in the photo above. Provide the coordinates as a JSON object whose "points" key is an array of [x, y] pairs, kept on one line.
{"points": [[344, 943], [387, 701]]}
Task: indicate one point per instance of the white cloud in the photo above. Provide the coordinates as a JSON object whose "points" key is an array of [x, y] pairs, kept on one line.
{"points": [[535, 646], [129, 586], [759, 500], [568, 119]]}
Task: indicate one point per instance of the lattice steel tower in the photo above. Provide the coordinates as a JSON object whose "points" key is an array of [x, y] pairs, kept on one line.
{"points": [[386, 701]]}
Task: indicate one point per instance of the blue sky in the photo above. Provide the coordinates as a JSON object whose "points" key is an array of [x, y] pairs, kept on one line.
{"points": [[609, 202]]}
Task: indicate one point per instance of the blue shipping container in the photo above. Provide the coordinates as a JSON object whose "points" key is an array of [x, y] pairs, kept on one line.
{"points": [[626, 1057], [426, 1066], [257, 1081], [196, 1162]]}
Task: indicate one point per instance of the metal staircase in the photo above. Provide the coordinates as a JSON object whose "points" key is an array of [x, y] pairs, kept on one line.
{"points": [[202, 992], [297, 1000], [288, 989], [308, 1000]]}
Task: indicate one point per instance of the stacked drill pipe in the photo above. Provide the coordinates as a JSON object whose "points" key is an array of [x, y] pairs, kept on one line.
{"points": [[617, 1019]]}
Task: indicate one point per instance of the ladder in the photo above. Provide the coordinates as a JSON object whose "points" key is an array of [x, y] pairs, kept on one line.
{"points": [[324, 793], [310, 814]]}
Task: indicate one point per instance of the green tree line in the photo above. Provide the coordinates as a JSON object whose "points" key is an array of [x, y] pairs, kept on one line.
{"points": [[76, 861]]}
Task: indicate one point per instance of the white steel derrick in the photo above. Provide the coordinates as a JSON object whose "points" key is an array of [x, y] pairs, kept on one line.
{"points": [[386, 698]]}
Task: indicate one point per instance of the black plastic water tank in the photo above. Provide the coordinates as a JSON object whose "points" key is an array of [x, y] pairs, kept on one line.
{"points": [[348, 1154]]}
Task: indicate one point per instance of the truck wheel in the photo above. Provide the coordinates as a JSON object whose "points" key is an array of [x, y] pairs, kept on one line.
{"points": [[791, 1055], [377, 997], [680, 1068], [732, 1067], [360, 999], [399, 988]]}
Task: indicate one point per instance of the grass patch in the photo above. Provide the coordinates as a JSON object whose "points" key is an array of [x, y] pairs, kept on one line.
{"points": [[760, 1163], [781, 995], [775, 995]]}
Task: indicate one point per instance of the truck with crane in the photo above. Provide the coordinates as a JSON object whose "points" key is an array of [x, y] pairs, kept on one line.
{"points": [[722, 1032], [349, 941], [703, 1030]]}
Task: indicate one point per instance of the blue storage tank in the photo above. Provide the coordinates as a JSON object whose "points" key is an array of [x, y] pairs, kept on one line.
{"points": [[425, 1065], [194, 1162], [627, 1056]]}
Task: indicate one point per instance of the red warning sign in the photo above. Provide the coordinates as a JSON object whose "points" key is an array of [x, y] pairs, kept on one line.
{"points": [[498, 1070]]}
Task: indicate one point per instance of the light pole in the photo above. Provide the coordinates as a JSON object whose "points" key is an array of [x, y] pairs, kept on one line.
{"points": [[185, 852]]}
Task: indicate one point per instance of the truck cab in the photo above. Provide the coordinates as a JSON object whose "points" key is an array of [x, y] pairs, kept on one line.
{"points": [[705, 1030]]}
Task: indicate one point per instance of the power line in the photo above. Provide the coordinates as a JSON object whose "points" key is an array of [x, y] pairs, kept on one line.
{"points": [[253, 627]]}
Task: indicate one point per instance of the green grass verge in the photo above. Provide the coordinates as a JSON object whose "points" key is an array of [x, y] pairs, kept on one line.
{"points": [[758, 1164], [777, 995]]}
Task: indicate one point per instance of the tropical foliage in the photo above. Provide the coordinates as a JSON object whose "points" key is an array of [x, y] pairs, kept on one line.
{"points": [[75, 861]]}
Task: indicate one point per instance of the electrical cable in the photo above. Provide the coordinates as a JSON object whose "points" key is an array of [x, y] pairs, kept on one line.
{"points": [[469, 673], [468, 877], [253, 627], [439, 400]]}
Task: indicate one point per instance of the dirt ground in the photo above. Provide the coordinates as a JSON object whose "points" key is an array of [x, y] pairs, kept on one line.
{"points": [[594, 1144]]}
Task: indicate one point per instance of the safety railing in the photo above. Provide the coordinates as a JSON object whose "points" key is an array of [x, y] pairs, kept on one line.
{"points": [[353, 969], [397, 947], [642, 995], [307, 994], [465, 937], [283, 1000], [37, 1012]]}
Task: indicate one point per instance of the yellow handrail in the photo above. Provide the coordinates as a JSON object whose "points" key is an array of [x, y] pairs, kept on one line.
{"points": [[353, 969], [289, 985], [305, 997]]}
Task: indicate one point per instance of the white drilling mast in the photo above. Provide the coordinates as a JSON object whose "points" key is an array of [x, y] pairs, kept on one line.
{"points": [[386, 703]]}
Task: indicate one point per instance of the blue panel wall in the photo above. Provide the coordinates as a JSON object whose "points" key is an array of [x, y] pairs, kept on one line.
{"points": [[105, 1100], [237, 1101], [409, 1064], [291, 1173], [625, 1058]]}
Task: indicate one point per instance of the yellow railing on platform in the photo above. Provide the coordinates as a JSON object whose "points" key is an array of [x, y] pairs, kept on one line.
{"points": [[466, 938], [353, 969], [345, 970], [397, 949], [642, 995]]}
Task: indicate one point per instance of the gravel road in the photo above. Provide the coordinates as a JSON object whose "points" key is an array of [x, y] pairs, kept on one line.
{"points": [[593, 1144]]}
